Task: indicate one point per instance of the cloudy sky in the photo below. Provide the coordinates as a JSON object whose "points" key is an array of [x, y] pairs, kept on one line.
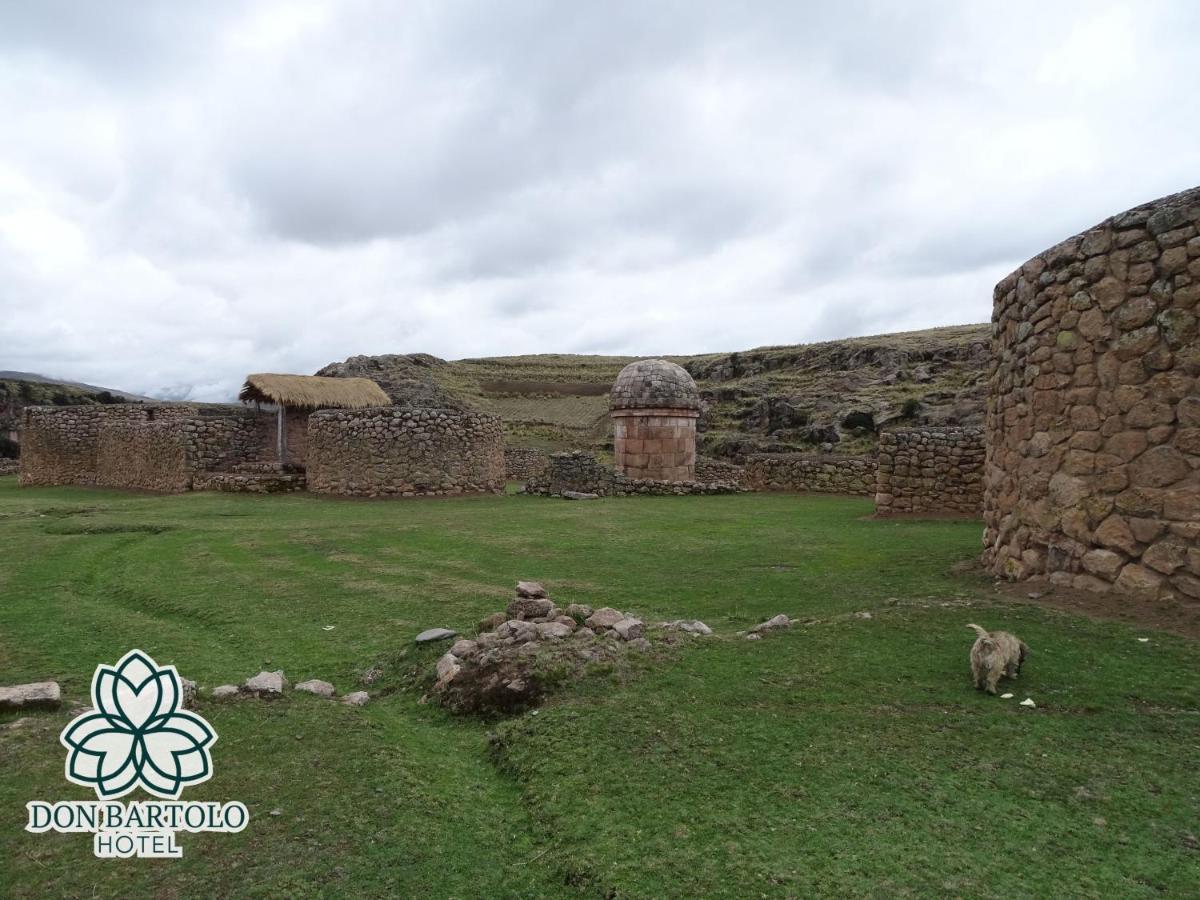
{"points": [[190, 191]]}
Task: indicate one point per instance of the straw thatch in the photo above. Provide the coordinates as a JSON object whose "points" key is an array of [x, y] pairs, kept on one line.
{"points": [[313, 392]]}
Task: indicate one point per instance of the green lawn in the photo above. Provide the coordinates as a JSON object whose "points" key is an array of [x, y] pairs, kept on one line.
{"points": [[847, 757]]}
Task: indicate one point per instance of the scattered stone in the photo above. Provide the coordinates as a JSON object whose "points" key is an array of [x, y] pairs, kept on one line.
{"points": [[754, 637], [266, 684], [630, 629], [1006, 696], [435, 634], [225, 690], [357, 698], [863, 615], [371, 675], [605, 617], [776, 623], [1028, 701], [447, 667], [276, 812], [585, 632], [579, 611], [530, 608], [579, 495], [566, 620], [36, 695], [640, 644], [316, 686], [464, 649]]}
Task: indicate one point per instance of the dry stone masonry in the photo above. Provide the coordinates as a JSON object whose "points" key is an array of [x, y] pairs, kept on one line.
{"points": [[811, 473], [654, 406], [523, 463], [1093, 423], [158, 447], [579, 472], [930, 470], [393, 451]]}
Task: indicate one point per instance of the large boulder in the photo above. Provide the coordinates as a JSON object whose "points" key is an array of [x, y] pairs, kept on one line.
{"points": [[36, 695], [266, 684], [530, 608], [553, 630], [775, 623], [630, 629], [435, 634], [316, 686], [605, 617]]}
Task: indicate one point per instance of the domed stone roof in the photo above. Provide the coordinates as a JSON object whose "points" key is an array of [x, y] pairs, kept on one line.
{"points": [[654, 384]]}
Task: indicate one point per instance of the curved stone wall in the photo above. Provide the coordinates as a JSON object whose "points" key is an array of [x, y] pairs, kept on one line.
{"points": [[1092, 476], [390, 451]]}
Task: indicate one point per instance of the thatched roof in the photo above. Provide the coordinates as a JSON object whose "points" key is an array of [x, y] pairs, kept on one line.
{"points": [[313, 392]]}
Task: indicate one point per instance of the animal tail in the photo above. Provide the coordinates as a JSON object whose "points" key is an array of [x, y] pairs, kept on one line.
{"points": [[982, 632]]}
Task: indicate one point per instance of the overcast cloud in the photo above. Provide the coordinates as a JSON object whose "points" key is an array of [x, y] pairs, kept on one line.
{"points": [[193, 191]]}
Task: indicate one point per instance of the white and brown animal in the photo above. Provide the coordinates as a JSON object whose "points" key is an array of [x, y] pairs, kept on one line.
{"points": [[994, 655]]}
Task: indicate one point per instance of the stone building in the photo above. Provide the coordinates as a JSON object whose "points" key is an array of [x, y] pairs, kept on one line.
{"points": [[295, 397], [1092, 474], [654, 406]]}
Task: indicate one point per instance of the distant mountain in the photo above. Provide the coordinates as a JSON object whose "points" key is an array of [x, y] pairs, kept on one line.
{"points": [[42, 379]]}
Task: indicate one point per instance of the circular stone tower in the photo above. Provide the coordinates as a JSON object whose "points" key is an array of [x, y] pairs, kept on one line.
{"points": [[1093, 420], [654, 407]]}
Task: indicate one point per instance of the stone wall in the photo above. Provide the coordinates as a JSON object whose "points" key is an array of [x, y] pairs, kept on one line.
{"points": [[523, 463], [580, 472], [710, 470], [149, 456], [1093, 423], [930, 470], [811, 474], [145, 446], [9, 466], [392, 451]]}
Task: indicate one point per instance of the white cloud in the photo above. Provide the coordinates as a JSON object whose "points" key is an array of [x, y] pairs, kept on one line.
{"points": [[189, 192]]}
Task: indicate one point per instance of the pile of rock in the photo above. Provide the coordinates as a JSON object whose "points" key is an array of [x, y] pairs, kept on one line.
{"points": [[497, 671], [776, 623]]}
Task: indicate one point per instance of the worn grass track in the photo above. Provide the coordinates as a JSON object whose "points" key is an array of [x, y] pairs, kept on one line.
{"points": [[848, 757]]}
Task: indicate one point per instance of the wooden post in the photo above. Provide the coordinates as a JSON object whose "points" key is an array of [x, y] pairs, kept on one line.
{"points": [[281, 429]]}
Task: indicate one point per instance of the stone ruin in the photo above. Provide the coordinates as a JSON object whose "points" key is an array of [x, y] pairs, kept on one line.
{"points": [[177, 447], [1093, 420], [654, 406]]}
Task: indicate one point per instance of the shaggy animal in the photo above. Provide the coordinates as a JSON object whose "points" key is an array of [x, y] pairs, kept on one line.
{"points": [[995, 654]]}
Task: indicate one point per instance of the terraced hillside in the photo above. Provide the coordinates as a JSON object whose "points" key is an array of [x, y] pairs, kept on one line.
{"points": [[770, 399]]}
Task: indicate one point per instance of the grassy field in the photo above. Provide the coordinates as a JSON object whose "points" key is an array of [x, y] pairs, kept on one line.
{"points": [[846, 757]]}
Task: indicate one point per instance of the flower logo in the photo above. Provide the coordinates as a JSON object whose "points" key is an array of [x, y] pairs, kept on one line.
{"points": [[137, 734]]}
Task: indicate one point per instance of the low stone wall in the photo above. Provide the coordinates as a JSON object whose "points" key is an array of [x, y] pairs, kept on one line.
{"points": [[249, 482], [391, 451], [710, 470], [581, 472], [10, 466], [812, 474], [930, 470], [523, 463]]}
